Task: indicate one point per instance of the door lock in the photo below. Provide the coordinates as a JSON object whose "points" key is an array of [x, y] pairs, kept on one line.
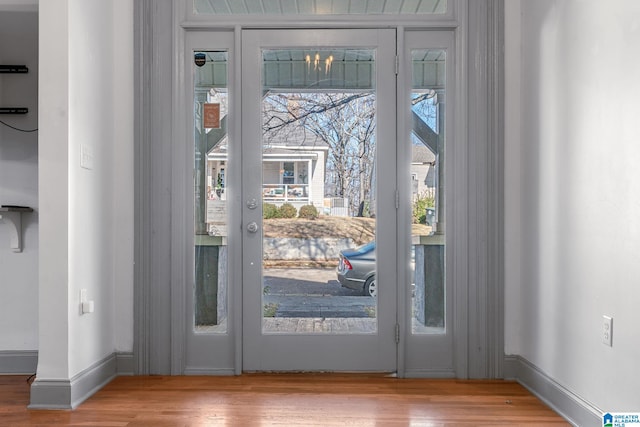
{"points": [[252, 203], [252, 227]]}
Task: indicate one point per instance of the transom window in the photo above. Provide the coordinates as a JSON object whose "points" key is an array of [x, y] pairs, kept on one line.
{"points": [[319, 7]]}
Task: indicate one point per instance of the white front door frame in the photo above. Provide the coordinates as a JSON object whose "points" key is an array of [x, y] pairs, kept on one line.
{"points": [[160, 27]]}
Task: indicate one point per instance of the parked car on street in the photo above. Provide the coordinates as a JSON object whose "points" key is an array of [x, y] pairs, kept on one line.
{"points": [[357, 269]]}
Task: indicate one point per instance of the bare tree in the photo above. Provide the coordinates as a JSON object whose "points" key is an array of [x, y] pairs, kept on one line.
{"points": [[345, 122]]}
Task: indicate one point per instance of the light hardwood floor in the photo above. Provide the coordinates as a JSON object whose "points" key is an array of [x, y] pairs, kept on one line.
{"points": [[287, 400]]}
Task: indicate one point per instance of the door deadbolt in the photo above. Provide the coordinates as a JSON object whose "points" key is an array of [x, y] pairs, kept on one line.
{"points": [[252, 227], [252, 203]]}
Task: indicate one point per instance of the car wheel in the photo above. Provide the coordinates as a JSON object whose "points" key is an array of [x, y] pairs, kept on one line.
{"points": [[370, 287]]}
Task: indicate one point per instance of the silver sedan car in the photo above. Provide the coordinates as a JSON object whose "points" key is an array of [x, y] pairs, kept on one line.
{"points": [[357, 269]]}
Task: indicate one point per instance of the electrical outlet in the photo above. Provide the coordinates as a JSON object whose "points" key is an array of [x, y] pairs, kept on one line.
{"points": [[607, 330]]}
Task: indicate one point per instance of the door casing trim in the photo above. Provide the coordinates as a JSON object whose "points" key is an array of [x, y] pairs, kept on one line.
{"points": [[159, 36]]}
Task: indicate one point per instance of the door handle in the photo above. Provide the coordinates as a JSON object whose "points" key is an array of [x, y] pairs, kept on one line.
{"points": [[252, 227]]}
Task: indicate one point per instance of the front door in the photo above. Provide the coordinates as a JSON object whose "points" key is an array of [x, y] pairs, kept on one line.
{"points": [[319, 200]]}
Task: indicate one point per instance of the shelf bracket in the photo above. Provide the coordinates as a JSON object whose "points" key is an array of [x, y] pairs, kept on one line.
{"points": [[14, 219]]}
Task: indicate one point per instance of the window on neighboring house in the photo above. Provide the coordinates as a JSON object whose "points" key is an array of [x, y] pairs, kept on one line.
{"points": [[414, 183], [221, 182], [288, 173]]}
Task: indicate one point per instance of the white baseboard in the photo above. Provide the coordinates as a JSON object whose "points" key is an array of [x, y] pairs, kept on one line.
{"points": [[23, 362], [207, 371], [572, 407], [69, 393], [124, 364], [429, 373]]}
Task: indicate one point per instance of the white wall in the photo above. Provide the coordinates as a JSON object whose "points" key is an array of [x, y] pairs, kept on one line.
{"points": [[53, 181], [19, 182], [572, 221], [91, 242], [87, 241]]}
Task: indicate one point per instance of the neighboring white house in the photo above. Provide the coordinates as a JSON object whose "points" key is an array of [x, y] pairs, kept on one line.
{"points": [[293, 171], [423, 171]]}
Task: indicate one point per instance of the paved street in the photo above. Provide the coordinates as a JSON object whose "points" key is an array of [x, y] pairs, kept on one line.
{"points": [[313, 293], [304, 281]]}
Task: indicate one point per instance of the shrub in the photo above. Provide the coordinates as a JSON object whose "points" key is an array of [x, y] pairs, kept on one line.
{"points": [[420, 205], [287, 210], [308, 212], [270, 211]]}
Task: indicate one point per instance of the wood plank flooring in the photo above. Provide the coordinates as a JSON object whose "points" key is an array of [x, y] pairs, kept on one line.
{"points": [[287, 400]]}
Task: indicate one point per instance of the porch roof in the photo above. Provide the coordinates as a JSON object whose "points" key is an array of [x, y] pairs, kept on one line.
{"points": [[351, 70], [421, 154], [275, 154]]}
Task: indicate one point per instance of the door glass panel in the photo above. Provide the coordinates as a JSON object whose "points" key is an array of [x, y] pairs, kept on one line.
{"points": [[210, 192], [427, 191], [318, 190]]}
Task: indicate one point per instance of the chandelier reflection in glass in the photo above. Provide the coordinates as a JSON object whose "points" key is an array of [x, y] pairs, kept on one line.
{"points": [[317, 63]]}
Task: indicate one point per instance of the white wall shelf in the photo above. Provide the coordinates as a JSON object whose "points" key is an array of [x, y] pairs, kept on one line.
{"points": [[14, 69], [12, 215]]}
